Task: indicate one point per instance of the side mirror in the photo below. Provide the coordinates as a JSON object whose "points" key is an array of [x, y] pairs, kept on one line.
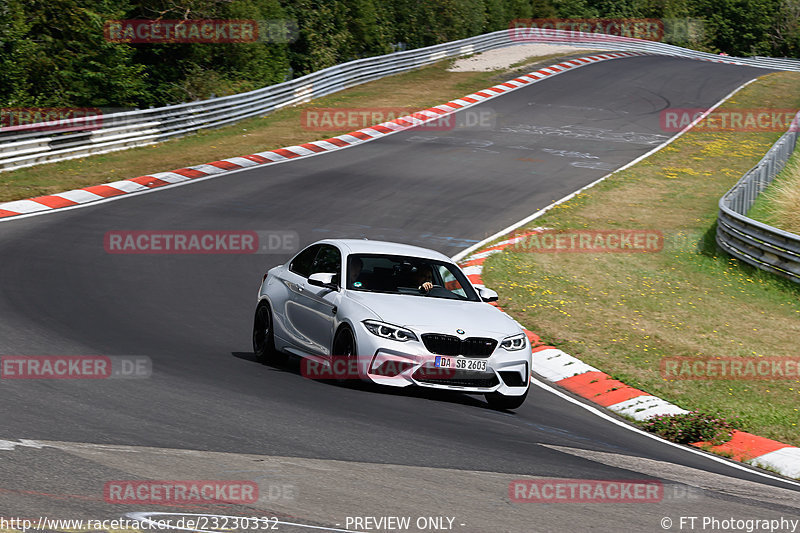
{"points": [[487, 295], [323, 279]]}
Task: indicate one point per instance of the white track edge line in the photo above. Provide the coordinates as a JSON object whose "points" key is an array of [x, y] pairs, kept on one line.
{"points": [[461, 255], [594, 60], [596, 411], [464, 253]]}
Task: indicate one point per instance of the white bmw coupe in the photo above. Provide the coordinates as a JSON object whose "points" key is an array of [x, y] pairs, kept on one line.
{"points": [[392, 314]]}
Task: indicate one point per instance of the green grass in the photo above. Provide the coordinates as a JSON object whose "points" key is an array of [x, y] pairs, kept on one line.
{"points": [[624, 313], [779, 204]]}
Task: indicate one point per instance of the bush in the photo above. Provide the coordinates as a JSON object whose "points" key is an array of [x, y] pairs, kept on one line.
{"points": [[696, 426]]}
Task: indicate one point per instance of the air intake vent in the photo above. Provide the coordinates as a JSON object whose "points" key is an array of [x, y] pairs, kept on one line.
{"points": [[452, 345]]}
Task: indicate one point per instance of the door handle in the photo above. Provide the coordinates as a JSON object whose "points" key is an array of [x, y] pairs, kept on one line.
{"points": [[300, 288]]}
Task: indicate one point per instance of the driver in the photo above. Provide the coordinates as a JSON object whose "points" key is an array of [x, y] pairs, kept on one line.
{"points": [[424, 278]]}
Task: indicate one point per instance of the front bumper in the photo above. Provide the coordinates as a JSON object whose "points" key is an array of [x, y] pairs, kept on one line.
{"points": [[401, 364]]}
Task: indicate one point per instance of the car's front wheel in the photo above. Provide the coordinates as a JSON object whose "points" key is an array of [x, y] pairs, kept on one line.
{"points": [[344, 347], [502, 402], [264, 337]]}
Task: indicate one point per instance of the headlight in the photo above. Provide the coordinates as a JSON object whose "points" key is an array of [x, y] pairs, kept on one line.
{"points": [[517, 342], [388, 331]]}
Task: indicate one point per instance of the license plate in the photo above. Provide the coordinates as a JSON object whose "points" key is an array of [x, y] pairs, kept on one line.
{"points": [[460, 363]]}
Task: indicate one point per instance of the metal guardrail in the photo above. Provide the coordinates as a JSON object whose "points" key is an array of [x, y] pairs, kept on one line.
{"points": [[749, 240], [119, 131]]}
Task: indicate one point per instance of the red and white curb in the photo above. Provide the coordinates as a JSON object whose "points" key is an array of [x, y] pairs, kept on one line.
{"points": [[600, 388], [42, 204]]}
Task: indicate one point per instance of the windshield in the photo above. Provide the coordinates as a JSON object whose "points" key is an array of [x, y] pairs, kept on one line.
{"points": [[397, 274]]}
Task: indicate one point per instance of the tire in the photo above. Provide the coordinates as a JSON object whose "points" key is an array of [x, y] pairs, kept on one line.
{"points": [[502, 402], [264, 337], [344, 345]]}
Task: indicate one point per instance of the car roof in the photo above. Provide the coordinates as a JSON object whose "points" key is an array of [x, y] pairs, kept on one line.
{"points": [[365, 246]]}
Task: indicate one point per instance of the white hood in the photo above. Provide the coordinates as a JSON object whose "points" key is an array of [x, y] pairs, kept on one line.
{"points": [[438, 315]]}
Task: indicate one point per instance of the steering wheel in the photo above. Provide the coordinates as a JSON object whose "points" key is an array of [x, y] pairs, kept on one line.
{"points": [[427, 293]]}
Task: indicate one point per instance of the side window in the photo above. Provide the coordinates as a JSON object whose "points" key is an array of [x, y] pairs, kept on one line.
{"points": [[450, 281], [302, 262], [328, 259]]}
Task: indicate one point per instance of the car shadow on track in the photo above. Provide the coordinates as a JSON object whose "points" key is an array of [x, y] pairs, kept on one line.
{"points": [[292, 366]]}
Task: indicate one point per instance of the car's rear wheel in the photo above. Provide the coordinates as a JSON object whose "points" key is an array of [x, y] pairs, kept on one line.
{"points": [[344, 347], [263, 336], [503, 402]]}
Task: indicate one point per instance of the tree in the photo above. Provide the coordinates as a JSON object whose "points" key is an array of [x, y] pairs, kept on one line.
{"points": [[56, 55], [784, 34]]}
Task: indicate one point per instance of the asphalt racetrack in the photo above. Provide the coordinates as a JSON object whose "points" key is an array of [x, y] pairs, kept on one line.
{"points": [[322, 452]]}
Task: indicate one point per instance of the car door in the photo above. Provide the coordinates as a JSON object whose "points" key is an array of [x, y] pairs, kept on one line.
{"points": [[288, 312], [313, 308]]}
